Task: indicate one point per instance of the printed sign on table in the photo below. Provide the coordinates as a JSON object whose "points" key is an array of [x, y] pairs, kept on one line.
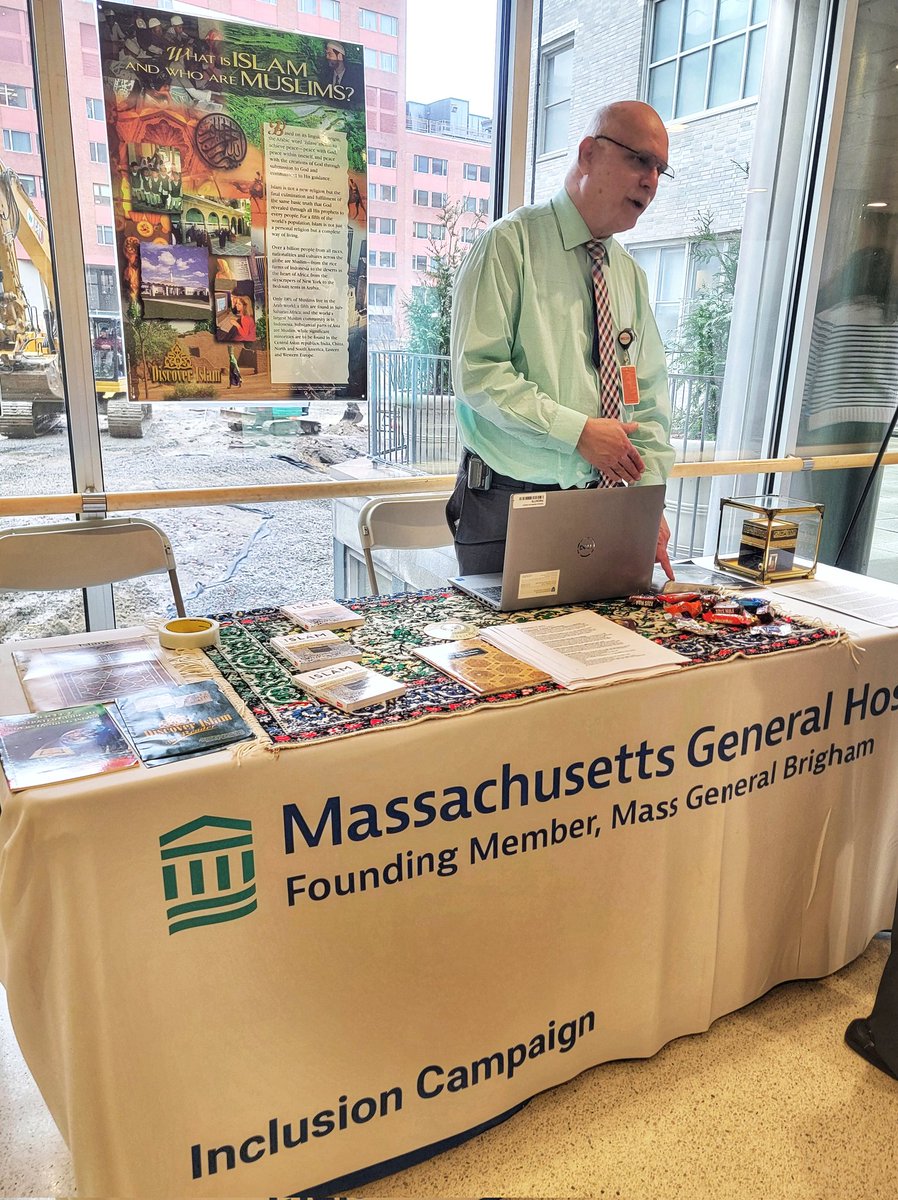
{"points": [[238, 164]]}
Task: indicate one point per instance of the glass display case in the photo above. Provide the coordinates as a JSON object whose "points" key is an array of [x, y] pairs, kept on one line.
{"points": [[769, 538]]}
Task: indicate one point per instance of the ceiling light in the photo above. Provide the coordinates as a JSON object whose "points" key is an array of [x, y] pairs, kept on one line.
{"points": [[877, 204]]}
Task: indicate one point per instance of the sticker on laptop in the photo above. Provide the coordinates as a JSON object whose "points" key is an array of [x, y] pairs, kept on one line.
{"points": [[528, 500], [534, 584]]}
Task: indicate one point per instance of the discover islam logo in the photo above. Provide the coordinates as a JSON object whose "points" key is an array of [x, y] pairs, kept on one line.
{"points": [[208, 869]]}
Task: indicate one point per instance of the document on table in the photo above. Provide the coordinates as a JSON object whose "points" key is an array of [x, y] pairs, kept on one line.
{"points": [[876, 602], [582, 649]]}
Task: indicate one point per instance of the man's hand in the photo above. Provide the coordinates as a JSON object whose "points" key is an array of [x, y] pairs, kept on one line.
{"points": [[606, 444], [661, 555]]}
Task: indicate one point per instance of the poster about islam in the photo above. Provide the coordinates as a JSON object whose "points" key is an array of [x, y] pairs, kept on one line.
{"points": [[238, 164]]}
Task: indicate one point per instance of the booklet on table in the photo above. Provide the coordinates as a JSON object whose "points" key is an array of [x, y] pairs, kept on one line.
{"points": [[181, 721], [59, 744]]}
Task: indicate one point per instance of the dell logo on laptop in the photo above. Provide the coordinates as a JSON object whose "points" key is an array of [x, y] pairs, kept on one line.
{"points": [[585, 547]]}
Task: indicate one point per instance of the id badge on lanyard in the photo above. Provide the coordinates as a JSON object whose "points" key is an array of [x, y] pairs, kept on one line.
{"points": [[629, 384]]}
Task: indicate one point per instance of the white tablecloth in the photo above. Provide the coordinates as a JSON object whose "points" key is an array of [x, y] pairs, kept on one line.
{"points": [[438, 921]]}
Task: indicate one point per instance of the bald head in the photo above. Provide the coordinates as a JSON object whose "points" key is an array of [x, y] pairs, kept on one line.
{"points": [[614, 177]]}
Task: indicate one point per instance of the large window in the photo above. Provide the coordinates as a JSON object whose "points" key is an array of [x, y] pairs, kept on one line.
{"points": [[556, 68], [705, 54], [231, 557]]}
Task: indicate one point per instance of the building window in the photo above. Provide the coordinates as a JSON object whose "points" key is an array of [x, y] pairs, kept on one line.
{"points": [[483, 205], [105, 235], [389, 25], [98, 152], [372, 258], [469, 204], [370, 57], [388, 158], [367, 19], [421, 197], [468, 235], [18, 140], [422, 164], [380, 295], [436, 263], [388, 62], [388, 192], [387, 258], [330, 9], [705, 54], [557, 67], [12, 95], [419, 262], [484, 174], [437, 233], [420, 229], [372, 191], [102, 293], [388, 225], [32, 185], [95, 109], [372, 157], [102, 193], [665, 269], [438, 199], [469, 171], [439, 166]]}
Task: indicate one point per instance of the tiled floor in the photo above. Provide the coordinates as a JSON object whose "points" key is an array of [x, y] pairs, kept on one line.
{"points": [[768, 1103]]}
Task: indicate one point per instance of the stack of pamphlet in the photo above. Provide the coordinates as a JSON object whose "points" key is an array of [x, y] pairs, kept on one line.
{"points": [[482, 668], [582, 649], [349, 686], [319, 648], [325, 614], [65, 743], [181, 721]]}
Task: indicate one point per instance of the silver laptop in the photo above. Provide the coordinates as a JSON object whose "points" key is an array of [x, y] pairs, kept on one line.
{"points": [[573, 546]]}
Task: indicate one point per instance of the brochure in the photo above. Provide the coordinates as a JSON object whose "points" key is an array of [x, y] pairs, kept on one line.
{"points": [[349, 686], [582, 649], [325, 614], [482, 668], [66, 743], [182, 721], [89, 673]]}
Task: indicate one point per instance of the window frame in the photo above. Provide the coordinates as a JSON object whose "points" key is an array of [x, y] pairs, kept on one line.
{"points": [[547, 56]]}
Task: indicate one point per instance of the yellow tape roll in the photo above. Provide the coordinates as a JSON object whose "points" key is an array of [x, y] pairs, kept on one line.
{"points": [[188, 633]]}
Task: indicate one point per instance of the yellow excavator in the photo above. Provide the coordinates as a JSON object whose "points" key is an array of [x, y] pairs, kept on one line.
{"points": [[32, 399]]}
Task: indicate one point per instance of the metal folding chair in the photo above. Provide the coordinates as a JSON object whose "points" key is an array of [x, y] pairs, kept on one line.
{"points": [[80, 554], [416, 521]]}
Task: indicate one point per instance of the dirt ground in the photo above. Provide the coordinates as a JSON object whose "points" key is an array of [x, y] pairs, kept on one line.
{"points": [[234, 556]]}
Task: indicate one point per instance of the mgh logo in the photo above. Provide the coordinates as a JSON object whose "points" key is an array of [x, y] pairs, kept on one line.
{"points": [[208, 871]]}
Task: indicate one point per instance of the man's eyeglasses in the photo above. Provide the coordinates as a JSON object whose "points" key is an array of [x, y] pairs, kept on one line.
{"points": [[644, 162]]}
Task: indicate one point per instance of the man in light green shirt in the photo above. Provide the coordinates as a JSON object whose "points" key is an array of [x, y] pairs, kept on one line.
{"points": [[527, 389]]}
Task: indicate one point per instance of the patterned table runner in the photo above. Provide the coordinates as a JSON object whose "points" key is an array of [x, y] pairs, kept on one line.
{"points": [[393, 628]]}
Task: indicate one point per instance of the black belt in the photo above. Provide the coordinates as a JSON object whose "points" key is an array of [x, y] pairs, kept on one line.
{"points": [[494, 479]]}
